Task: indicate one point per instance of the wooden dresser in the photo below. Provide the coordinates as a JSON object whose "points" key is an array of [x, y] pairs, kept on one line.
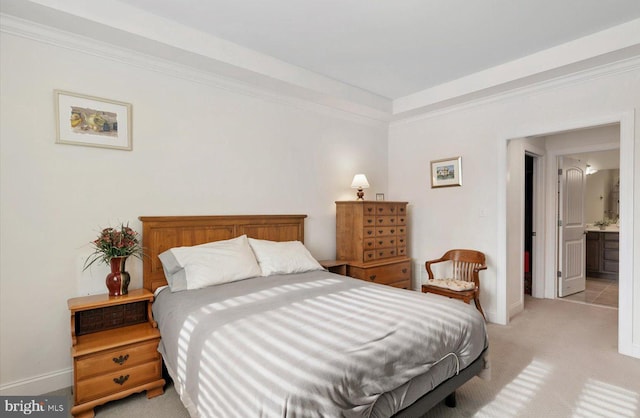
{"points": [[114, 349], [372, 237]]}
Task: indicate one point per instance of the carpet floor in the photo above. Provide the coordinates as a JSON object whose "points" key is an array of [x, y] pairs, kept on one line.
{"points": [[555, 359]]}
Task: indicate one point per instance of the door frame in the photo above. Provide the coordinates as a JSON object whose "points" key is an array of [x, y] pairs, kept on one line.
{"points": [[626, 120]]}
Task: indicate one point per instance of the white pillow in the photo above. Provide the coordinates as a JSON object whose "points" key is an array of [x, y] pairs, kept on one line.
{"points": [[209, 264], [283, 257]]}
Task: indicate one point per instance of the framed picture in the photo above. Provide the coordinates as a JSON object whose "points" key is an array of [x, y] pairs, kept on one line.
{"points": [[92, 121], [379, 196], [446, 172]]}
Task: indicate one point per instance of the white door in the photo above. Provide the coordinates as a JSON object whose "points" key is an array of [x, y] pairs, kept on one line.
{"points": [[572, 238]]}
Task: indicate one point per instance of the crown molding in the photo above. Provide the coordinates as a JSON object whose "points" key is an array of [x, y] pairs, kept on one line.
{"points": [[266, 88], [509, 92]]}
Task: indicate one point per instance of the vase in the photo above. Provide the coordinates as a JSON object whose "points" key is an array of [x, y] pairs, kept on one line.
{"points": [[118, 280]]}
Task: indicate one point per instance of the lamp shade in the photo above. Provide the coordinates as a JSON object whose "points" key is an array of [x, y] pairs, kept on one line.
{"points": [[359, 182]]}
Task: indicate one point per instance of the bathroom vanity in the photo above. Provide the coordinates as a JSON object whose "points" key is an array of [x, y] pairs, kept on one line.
{"points": [[602, 253]]}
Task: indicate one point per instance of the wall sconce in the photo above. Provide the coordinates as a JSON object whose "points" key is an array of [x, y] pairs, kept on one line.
{"points": [[360, 182]]}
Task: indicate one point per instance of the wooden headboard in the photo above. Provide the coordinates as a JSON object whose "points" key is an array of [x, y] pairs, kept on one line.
{"points": [[160, 233]]}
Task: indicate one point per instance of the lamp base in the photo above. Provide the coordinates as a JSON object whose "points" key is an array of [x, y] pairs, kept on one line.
{"points": [[360, 194]]}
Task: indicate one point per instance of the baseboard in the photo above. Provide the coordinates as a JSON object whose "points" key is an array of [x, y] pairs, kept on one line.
{"points": [[38, 385], [516, 308]]}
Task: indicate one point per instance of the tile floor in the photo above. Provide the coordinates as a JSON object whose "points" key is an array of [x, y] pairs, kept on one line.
{"points": [[598, 292]]}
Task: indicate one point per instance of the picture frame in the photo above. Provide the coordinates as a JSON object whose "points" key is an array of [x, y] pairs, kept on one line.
{"points": [[92, 121], [446, 172], [379, 196]]}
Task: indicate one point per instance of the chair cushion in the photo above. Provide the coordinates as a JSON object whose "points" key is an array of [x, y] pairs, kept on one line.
{"points": [[451, 284]]}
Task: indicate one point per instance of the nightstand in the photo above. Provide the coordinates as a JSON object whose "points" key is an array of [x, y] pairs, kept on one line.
{"points": [[114, 349], [335, 266]]}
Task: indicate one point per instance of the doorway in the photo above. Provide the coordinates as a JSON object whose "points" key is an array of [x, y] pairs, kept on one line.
{"points": [[511, 248], [528, 223]]}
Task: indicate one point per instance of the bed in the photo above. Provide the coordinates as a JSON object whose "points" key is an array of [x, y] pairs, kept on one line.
{"points": [[305, 342]]}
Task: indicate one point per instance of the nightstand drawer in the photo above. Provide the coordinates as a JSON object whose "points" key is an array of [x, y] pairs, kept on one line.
{"points": [[116, 360], [118, 381]]}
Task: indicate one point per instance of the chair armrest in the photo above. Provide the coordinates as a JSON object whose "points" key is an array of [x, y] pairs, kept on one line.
{"points": [[427, 265], [477, 269]]}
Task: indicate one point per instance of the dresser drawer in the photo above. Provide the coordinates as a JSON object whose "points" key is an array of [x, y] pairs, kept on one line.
{"points": [[384, 231], [107, 384], [385, 242], [369, 244], [386, 274], [386, 209], [116, 360], [386, 220]]}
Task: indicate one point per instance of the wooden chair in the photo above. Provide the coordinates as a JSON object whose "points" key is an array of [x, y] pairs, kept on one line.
{"points": [[463, 283]]}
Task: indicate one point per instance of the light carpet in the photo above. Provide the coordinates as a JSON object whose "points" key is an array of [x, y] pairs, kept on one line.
{"points": [[555, 359]]}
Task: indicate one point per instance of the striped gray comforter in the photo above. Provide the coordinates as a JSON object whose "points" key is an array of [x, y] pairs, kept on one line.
{"points": [[314, 344]]}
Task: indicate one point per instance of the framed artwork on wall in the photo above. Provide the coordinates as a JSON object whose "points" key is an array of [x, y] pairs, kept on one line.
{"points": [[446, 172], [92, 121]]}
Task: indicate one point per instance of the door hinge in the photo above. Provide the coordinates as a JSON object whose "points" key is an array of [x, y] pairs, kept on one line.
{"points": [[559, 222], [533, 234], [559, 171], [559, 274]]}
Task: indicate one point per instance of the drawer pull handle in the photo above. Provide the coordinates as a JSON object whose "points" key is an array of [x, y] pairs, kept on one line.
{"points": [[392, 209], [120, 380], [372, 277], [369, 221], [120, 360], [380, 242], [369, 209], [369, 244], [393, 219], [404, 270], [368, 232], [393, 231]]}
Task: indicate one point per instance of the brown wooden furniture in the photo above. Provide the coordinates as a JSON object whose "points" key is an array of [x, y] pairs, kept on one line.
{"points": [[602, 259], [114, 349], [466, 264], [160, 233], [334, 266], [372, 237]]}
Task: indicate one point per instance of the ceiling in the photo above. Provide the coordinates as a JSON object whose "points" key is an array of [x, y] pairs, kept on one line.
{"points": [[395, 48], [379, 59]]}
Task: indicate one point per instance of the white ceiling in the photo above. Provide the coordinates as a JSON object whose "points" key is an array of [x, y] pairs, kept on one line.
{"points": [[379, 59], [396, 48]]}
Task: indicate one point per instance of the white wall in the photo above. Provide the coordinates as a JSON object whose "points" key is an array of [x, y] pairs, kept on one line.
{"points": [[467, 216], [197, 149]]}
